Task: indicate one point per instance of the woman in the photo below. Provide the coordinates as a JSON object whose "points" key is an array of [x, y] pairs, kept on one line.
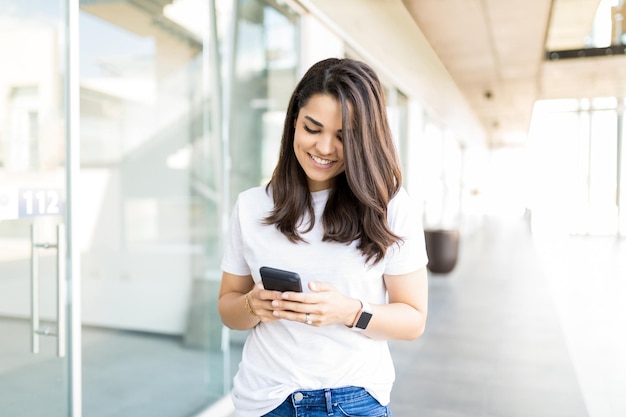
{"points": [[335, 213]]}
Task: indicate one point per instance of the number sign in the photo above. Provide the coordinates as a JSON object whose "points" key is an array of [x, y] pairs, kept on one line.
{"points": [[29, 202]]}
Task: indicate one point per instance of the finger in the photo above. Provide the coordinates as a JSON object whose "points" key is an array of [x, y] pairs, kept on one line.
{"points": [[318, 286], [270, 295], [266, 312], [294, 316], [294, 306], [300, 297]]}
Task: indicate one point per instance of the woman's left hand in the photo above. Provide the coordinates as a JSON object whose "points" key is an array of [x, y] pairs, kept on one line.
{"points": [[323, 306]]}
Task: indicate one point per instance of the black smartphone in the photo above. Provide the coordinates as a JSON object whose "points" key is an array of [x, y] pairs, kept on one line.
{"points": [[280, 280]]}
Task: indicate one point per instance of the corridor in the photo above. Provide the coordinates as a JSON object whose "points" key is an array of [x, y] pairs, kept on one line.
{"points": [[525, 326]]}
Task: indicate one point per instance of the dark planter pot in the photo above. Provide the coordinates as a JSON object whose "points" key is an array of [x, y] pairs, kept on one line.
{"points": [[442, 247]]}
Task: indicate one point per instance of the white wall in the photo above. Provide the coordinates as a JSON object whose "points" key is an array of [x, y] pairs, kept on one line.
{"points": [[387, 37], [317, 42]]}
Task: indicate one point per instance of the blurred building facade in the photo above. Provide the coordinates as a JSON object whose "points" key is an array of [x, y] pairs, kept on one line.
{"points": [[181, 106]]}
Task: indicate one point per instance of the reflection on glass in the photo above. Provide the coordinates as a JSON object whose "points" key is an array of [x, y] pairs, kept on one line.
{"points": [[265, 69], [266, 59], [443, 178], [150, 223], [151, 236], [397, 112]]}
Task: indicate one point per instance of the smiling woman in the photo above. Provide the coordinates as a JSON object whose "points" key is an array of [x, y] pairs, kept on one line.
{"points": [[335, 212]]}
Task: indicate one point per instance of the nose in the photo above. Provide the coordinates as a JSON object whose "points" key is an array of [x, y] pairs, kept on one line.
{"points": [[325, 144]]}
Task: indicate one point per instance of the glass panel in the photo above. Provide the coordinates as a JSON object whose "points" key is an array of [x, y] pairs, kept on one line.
{"points": [[622, 165], [554, 153], [603, 103], [578, 162], [434, 199], [266, 57], [265, 75], [442, 202], [397, 112], [150, 222], [603, 173], [575, 156], [33, 372]]}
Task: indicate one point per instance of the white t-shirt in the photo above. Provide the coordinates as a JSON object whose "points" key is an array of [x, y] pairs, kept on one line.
{"points": [[285, 356]]}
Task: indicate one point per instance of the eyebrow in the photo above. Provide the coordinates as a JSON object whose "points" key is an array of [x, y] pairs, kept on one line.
{"points": [[316, 123]]}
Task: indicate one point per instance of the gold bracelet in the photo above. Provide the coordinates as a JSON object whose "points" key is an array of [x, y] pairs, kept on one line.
{"points": [[250, 310]]}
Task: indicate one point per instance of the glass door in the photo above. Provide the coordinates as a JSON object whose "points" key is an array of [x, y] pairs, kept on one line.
{"points": [[147, 209], [150, 218], [33, 323]]}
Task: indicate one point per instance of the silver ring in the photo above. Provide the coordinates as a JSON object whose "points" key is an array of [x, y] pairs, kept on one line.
{"points": [[308, 319]]}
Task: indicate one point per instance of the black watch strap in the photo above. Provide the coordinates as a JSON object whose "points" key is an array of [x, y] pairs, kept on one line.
{"points": [[365, 316]]}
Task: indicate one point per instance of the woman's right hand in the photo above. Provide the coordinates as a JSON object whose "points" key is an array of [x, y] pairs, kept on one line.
{"points": [[243, 304], [260, 302]]}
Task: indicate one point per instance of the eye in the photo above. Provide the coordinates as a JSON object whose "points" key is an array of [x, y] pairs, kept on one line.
{"points": [[308, 129]]}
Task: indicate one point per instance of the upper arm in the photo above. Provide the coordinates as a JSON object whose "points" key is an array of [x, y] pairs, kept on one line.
{"points": [[410, 289], [232, 283]]}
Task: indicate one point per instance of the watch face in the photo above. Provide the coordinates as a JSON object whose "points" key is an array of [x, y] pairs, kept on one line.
{"points": [[363, 320]]}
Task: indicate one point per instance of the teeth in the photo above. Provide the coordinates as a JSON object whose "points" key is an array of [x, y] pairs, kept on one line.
{"points": [[320, 160]]}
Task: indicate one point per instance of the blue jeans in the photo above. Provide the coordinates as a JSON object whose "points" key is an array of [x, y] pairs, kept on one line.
{"points": [[338, 402]]}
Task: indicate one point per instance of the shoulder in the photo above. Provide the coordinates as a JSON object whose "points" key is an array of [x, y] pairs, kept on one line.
{"points": [[403, 211], [401, 201], [254, 202], [258, 191], [255, 195]]}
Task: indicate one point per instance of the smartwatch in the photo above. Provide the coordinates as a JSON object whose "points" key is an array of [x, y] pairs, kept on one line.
{"points": [[365, 315]]}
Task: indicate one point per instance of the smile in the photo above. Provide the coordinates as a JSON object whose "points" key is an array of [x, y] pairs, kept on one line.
{"points": [[320, 160]]}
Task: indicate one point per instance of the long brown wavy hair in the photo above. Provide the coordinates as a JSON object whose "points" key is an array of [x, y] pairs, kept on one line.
{"points": [[357, 204]]}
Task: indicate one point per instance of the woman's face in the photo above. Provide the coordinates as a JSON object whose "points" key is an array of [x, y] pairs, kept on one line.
{"points": [[318, 143]]}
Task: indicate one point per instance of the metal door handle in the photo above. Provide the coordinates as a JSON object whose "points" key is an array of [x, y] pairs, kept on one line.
{"points": [[59, 333], [61, 291]]}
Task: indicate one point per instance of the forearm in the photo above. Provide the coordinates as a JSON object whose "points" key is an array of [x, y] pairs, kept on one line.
{"points": [[404, 317], [395, 321], [234, 312]]}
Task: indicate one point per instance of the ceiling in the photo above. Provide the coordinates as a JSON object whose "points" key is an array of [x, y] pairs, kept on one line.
{"points": [[494, 50]]}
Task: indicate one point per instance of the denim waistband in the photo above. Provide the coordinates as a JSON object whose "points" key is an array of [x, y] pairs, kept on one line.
{"points": [[326, 397]]}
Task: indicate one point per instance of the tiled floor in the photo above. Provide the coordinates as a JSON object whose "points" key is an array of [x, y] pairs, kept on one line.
{"points": [[522, 327], [125, 374]]}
